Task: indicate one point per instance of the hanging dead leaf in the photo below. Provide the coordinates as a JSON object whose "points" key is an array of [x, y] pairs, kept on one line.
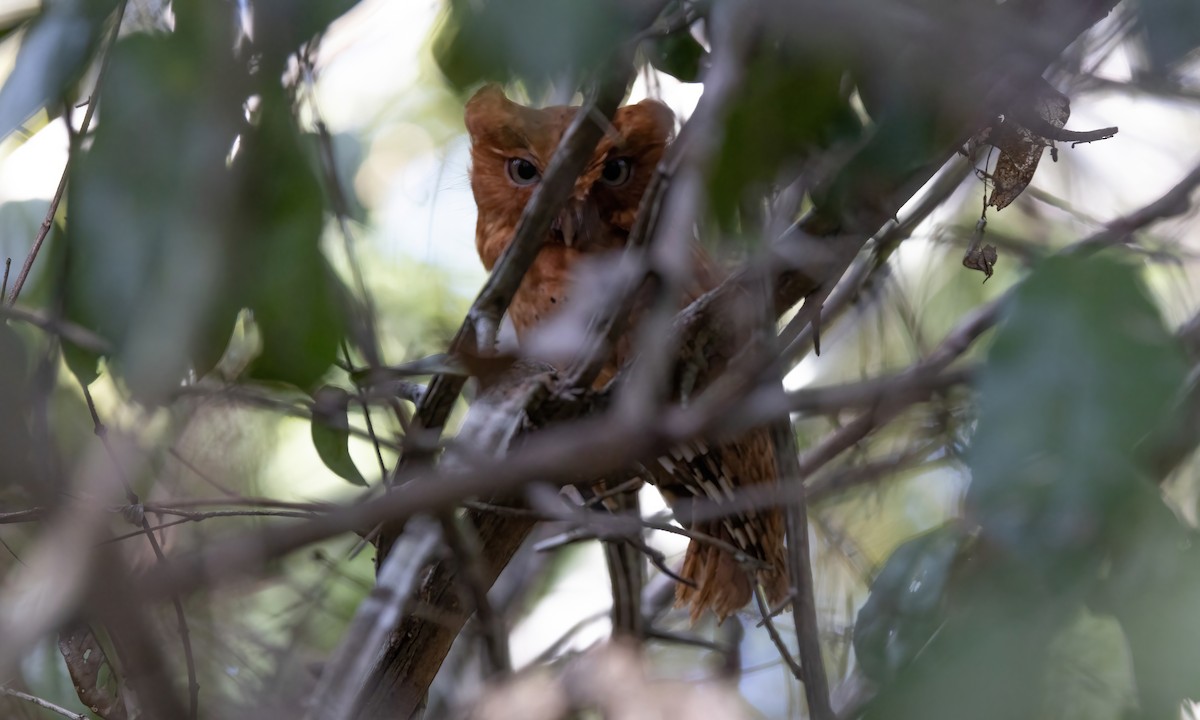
{"points": [[1021, 147], [982, 259]]}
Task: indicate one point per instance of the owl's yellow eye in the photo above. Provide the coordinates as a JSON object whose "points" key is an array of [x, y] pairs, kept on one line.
{"points": [[616, 171], [522, 172]]}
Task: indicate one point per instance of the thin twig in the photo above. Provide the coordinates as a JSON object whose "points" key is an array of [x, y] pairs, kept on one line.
{"points": [[776, 638], [187, 517], [48, 222], [74, 334], [44, 704], [1173, 203], [180, 617], [464, 544]]}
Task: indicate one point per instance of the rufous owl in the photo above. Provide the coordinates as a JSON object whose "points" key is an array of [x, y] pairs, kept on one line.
{"points": [[511, 146]]}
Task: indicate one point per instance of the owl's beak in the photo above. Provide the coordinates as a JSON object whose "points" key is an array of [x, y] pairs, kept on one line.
{"points": [[566, 224], [577, 224]]}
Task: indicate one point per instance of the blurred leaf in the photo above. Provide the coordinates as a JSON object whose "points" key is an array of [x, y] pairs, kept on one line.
{"points": [[282, 26], [786, 108], [348, 154], [906, 603], [53, 55], [16, 440], [1081, 370], [535, 40], [1153, 588], [1172, 30], [679, 55], [1088, 674], [290, 287], [331, 433], [83, 364], [985, 661], [150, 229], [977, 643]]}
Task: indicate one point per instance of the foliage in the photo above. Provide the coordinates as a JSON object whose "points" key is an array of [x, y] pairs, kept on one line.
{"points": [[218, 347]]}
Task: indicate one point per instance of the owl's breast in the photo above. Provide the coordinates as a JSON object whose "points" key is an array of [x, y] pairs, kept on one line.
{"points": [[544, 290]]}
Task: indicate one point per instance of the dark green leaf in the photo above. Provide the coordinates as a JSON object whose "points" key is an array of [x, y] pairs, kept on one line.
{"points": [[1153, 588], [787, 107], [331, 433], [535, 40], [53, 54], [906, 603], [953, 630], [1172, 30], [16, 440], [294, 294], [348, 154], [151, 227], [83, 364], [1081, 370], [679, 55]]}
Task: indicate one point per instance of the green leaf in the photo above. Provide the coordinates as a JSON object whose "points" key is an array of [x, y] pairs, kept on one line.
{"points": [[151, 235], [787, 107], [1172, 30], [535, 40], [1153, 589], [53, 54], [295, 296], [348, 155], [679, 55], [906, 603], [1082, 369], [83, 364], [964, 633], [16, 440], [331, 433]]}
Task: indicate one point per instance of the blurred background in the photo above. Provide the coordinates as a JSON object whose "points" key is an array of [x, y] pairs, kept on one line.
{"points": [[212, 459]]}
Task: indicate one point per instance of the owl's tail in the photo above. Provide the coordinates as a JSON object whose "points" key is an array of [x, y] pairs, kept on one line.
{"points": [[721, 581], [749, 547]]}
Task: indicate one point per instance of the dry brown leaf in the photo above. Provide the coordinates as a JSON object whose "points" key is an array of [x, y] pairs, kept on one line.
{"points": [[85, 658], [982, 259], [1021, 148]]}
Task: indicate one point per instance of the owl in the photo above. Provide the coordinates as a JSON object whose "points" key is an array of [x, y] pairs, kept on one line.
{"points": [[511, 146]]}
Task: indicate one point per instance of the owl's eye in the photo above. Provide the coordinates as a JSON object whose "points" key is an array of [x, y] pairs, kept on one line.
{"points": [[616, 171], [522, 172]]}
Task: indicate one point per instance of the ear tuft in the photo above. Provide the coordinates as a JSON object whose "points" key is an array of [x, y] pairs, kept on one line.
{"points": [[485, 107], [649, 118]]}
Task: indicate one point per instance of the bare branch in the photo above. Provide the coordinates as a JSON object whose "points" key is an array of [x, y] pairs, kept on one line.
{"points": [[44, 704], [804, 607], [337, 694]]}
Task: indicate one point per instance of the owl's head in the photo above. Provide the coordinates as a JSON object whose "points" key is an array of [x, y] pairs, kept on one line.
{"points": [[511, 145]]}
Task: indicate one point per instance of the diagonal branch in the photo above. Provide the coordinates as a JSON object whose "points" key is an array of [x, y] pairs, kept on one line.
{"points": [[336, 695]]}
